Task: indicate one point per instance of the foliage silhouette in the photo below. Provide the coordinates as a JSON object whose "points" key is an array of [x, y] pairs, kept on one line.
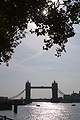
{"points": [[56, 23]]}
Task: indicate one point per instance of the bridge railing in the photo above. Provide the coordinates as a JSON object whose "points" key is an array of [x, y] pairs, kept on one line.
{"points": [[5, 118]]}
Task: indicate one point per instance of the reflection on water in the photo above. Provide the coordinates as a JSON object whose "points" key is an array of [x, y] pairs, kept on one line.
{"points": [[46, 111]]}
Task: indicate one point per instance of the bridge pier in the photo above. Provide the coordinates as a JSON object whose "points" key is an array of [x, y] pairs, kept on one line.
{"points": [[15, 108]]}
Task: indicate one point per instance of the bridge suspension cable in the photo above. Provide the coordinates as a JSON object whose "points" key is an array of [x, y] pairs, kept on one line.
{"points": [[17, 95], [61, 92], [25, 89]]}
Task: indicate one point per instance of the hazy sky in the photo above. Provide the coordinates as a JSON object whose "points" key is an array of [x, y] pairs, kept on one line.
{"points": [[30, 62]]}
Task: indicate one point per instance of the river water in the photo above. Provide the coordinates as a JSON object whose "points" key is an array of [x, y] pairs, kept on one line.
{"points": [[46, 111]]}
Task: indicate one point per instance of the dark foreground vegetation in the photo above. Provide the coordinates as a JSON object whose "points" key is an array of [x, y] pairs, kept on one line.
{"points": [[52, 19]]}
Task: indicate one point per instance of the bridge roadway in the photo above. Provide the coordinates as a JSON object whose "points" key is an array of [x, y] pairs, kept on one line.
{"points": [[41, 87], [41, 100], [24, 101]]}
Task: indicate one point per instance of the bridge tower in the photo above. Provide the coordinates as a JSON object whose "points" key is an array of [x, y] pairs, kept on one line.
{"points": [[54, 91], [28, 91]]}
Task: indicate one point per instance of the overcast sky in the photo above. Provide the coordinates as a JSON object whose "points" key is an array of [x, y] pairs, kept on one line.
{"points": [[30, 62]]}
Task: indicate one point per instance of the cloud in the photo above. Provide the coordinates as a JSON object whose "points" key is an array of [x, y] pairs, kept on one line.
{"points": [[30, 58]]}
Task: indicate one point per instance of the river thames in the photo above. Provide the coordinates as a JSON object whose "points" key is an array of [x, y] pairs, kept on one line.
{"points": [[45, 111]]}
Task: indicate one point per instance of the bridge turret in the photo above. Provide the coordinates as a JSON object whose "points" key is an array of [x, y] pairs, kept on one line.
{"points": [[28, 91], [54, 91]]}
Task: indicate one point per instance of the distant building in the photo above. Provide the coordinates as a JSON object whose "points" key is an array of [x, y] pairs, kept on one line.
{"points": [[5, 103], [74, 97], [2, 99]]}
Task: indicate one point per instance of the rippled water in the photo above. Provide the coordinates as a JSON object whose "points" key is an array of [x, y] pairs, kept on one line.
{"points": [[46, 111]]}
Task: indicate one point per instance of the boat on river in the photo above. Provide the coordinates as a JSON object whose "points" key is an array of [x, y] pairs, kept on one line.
{"points": [[38, 105]]}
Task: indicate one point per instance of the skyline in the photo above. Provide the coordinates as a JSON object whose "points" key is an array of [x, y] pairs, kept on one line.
{"points": [[30, 62]]}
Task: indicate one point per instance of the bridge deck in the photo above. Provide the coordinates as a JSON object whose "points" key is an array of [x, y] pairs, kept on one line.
{"points": [[40, 100]]}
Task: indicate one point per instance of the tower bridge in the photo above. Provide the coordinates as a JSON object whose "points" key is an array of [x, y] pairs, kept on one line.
{"points": [[29, 87], [54, 88]]}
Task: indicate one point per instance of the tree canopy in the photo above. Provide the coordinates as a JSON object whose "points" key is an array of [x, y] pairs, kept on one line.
{"points": [[52, 19]]}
